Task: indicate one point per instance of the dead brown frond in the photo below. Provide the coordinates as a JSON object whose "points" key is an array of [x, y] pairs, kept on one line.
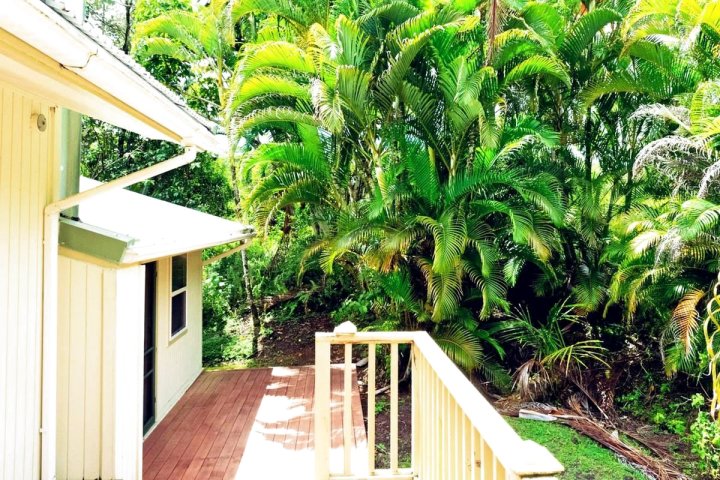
{"points": [[686, 319], [532, 380]]}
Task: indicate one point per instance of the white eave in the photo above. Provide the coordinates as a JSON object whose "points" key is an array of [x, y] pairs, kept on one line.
{"points": [[147, 228], [71, 65]]}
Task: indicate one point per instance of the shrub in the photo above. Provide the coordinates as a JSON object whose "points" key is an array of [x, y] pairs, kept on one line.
{"points": [[705, 436]]}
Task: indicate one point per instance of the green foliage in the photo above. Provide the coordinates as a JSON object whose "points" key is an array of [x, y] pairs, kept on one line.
{"points": [[705, 438], [657, 403], [580, 455], [355, 311], [220, 348], [381, 405], [432, 165], [553, 357]]}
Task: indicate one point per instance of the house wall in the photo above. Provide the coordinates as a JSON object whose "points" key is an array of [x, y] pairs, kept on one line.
{"points": [[27, 184], [178, 359], [99, 410]]}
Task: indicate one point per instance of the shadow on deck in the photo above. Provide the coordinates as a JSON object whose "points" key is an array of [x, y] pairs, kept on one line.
{"points": [[247, 425]]}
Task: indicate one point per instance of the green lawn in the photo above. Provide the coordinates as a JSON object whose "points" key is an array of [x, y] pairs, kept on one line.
{"points": [[583, 458]]}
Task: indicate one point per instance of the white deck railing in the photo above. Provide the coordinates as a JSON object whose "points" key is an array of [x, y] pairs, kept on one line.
{"points": [[456, 432]]}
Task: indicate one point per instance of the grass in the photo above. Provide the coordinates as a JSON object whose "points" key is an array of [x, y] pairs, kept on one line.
{"points": [[583, 458]]}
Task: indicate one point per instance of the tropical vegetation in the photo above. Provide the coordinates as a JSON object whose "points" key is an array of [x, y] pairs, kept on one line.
{"points": [[536, 183]]}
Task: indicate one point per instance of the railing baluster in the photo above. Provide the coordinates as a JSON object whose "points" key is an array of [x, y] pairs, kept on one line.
{"points": [[445, 432], [463, 445], [322, 410], [487, 462], [347, 410], [394, 408], [441, 429], [438, 428], [422, 404], [460, 443], [499, 470], [371, 408], [427, 418], [452, 438], [475, 447]]}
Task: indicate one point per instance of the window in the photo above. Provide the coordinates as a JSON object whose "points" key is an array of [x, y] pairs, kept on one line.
{"points": [[178, 300]]}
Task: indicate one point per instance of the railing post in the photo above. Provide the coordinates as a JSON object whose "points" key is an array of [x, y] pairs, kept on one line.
{"points": [[415, 385], [322, 408]]}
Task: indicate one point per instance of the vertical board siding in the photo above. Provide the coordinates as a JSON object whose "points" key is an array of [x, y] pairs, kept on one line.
{"points": [[80, 318], [178, 360], [27, 177], [99, 409], [128, 356]]}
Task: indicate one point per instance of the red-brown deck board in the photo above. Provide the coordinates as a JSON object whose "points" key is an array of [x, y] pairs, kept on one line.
{"points": [[246, 425]]}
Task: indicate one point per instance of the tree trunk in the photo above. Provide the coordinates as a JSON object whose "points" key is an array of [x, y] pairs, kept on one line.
{"points": [[251, 302], [128, 26], [588, 149], [630, 169]]}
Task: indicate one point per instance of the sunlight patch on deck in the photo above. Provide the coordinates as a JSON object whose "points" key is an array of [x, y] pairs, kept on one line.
{"points": [[280, 444]]}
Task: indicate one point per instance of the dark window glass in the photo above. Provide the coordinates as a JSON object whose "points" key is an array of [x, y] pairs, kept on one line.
{"points": [[178, 319], [179, 272]]}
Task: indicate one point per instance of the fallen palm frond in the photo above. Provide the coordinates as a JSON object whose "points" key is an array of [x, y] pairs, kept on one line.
{"points": [[660, 468]]}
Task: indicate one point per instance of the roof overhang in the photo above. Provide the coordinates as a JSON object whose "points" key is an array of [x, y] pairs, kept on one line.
{"points": [[49, 55]]}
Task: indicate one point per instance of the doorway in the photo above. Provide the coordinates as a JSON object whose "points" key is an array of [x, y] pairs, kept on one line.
{"points": [[149, 346]]}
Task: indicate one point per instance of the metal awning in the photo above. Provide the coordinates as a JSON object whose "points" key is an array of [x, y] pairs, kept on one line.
{"points": [[124, 227]]}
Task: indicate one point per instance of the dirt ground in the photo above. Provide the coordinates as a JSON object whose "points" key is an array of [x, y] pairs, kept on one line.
{"points": [[292, 343]]}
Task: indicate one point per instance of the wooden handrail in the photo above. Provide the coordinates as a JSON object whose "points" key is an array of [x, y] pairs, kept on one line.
{"points": [[456, 432]]}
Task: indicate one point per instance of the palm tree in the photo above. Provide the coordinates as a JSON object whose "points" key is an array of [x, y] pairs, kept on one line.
{"points": [[552, 357], [688, 156], [205, 39], [667, 259], [396, 137], [415, 180]]}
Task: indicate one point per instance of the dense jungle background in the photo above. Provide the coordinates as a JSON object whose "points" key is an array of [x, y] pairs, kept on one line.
{"points": [[536, 183]]}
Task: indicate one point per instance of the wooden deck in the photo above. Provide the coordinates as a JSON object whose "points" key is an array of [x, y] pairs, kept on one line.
{"points": [[247, 425]]}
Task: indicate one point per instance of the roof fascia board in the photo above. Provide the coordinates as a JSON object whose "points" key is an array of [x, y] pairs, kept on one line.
{"points": [[47, 79], [139, 254], [72, 50], [121, 250]]}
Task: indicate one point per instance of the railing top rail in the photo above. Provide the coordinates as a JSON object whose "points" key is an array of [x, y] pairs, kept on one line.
{"points": [[522, 457], [366, 337]]}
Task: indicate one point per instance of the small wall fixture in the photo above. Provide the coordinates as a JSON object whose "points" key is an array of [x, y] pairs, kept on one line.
{"points": [[39, 120]]}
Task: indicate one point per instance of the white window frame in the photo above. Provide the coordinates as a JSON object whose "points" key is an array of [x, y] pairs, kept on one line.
{"points": [[173, 294]]}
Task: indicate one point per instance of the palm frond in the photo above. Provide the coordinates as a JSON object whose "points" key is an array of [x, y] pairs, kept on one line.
{"points": [[461, 346], [584, 30]]}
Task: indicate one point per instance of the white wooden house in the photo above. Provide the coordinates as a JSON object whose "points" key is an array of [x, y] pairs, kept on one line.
{"points": [[100, 316], [100, 310], [130, 300]]}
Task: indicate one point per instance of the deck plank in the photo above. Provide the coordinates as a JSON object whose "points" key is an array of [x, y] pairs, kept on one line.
{"points": [[166, 437], [247, 424], [186, 441], [197, 455]]}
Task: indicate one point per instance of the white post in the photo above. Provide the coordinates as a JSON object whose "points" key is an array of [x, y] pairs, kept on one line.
{"points": [[322, 409], [49, 347]]}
